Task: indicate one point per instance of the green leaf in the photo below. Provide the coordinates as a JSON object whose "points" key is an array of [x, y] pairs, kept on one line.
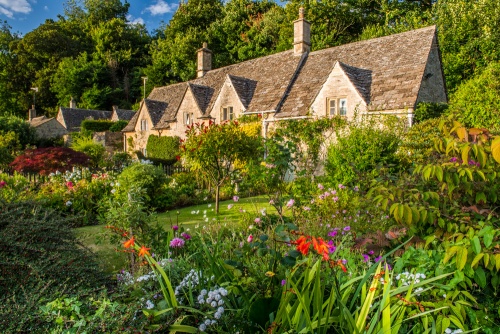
{"points": [[476, 245], [477, 258], [488, 239], [461, 258], [264, 237], [465, 155], [480, 277], [439, 173]]}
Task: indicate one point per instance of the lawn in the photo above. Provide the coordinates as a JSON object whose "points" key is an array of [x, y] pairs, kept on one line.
{"points": [[95, 237]]}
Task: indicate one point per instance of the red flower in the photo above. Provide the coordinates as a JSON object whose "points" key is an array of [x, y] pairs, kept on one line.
{"points": [[303, 245], [321, 247], [144, 251], [129, 243], [177, 157]]}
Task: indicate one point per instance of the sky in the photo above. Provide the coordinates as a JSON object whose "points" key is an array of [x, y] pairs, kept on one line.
{"points": [[25, 15]]}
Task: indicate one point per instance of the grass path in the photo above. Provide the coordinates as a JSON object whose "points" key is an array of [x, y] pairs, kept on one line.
{"points": [[94, 237]]}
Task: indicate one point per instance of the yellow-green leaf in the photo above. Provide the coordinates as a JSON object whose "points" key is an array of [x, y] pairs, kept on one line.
{"points": [[477, 258], [465, 155], [462, 258], [497, 261], [462, 134], [495, 149], [439, 173]]}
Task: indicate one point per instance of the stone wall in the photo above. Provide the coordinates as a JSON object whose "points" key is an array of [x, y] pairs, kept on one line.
{"points": [[432, 88], [112, 141], [227, 98], [50, 129]]}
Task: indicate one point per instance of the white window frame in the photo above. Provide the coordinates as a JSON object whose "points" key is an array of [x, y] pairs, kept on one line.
{"points": [[144, 125], [227, 113], [188, 118]]}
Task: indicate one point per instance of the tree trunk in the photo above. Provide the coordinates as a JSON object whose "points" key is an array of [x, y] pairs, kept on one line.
{"points": [[217, 199]]}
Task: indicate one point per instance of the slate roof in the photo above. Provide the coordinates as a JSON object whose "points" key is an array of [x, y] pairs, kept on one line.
{"points": [[37, 121], [73, 117], [245, 88], [123, 114], [386, 72], [390, 68]]}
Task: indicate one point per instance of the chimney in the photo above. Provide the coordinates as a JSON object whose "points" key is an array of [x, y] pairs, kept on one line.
{"points": [[301, 34], [32, 113], [72, 103], [204, 60]]}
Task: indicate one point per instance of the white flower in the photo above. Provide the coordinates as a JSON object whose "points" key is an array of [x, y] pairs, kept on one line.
{"points": [[447, 331], [444, 296], [69, 203], [202, 327], [208, 322], [113, 191], [149, 304], [210, 205], [213, 304], [220, 309]]}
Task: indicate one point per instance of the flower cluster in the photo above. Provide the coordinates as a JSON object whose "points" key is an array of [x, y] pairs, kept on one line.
{"points": [[214, 299], [450, 331], [191, 280], [321, 247], [407, 279]]}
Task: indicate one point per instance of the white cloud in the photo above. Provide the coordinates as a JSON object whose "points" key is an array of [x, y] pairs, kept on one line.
{"points": [[160, 8], [11, 7], [46, 7], [132, 20]]}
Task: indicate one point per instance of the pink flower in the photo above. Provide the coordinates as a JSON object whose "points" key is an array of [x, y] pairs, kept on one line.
{"points": [[69, 184], [250, 238], [3, 184], [335, 199], [229, 206], [341, 186], [236, 198], [271, 202], [320, 186], [177, 243], [306, 208], [175, 227], [290, 203], [257, 220], [185, 236]]}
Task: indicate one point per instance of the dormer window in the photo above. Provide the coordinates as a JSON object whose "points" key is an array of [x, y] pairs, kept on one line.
{"points": [[227, 114], [188, 118], [144, 125], [336, 106]]}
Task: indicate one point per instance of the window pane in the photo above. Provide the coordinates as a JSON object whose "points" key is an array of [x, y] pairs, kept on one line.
{"points": [[332, 107], [231, 115], [343, 107], [224, 114]]}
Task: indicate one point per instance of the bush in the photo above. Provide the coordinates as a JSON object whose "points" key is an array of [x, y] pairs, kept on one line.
{"points": [[24, 131], [476, 101], [96, 125], [39, 258], [88, 146], [148, 177], [118, 126], [49, 160], [163, 149], [429, 110], [417, 144], [360, 149]]}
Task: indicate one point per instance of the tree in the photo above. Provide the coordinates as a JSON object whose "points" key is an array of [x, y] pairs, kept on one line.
{"points": [[49, 160], [214, 150]]}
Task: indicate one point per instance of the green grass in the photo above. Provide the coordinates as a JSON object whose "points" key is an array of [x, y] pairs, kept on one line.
{"points": [[95, 237]]}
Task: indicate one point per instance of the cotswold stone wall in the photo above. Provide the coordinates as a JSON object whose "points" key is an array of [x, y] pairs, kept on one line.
{"points": [[50, 129], [112, 141]]}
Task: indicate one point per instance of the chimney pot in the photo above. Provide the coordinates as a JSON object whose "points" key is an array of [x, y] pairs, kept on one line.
{"points": [[72, 103], [32, 113], [204, 60]]}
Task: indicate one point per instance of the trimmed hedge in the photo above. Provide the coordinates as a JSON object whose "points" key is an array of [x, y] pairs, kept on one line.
{"points": [[118, 126], [164, 149], [96, 125]]}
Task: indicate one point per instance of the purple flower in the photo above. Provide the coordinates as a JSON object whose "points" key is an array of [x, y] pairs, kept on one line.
{"points": [[175, 227], [326, 194], [331, 246], [366, 258], [378, 258], [185, 236], [322, 197], [356, 188], [283, 282], [347, 228], [335, 199], [177, 243], [371, 252], [290, 203], [341, 186], [333, 233], [236, 198], [344, 261], [454, 159], [306, 208]]}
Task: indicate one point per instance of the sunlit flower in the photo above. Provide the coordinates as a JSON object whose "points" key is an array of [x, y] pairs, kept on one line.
{"points": [[257, 220], [236, 198], [302, 245], [144, 251], [321, 247], [3, 184], [175, 227], [250, 238], [129, 243], [320, 186], [290, 203], [185, 236], [230, 206]]}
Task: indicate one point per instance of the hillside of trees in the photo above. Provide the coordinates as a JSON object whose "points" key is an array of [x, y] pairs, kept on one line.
{"points": [[94, 54]]}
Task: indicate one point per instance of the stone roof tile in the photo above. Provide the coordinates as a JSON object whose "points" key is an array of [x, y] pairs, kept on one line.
{"points": [[73, 117]]}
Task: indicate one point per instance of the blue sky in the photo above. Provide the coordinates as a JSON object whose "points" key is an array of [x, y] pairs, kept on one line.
{"points": [[25, 15]]}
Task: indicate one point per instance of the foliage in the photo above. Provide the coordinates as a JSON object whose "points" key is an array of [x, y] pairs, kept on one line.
{"points": [[40, 259], [49, 160], [475, 102], [25, 133], [165, 149], [359, 149], [214, 150], [9, 145], [417, 144], [118, 126], [150, 178], [85, 144], [429, 110], [96, 125]]}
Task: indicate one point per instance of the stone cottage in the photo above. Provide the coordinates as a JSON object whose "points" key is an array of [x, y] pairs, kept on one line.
{"points": [[387, 75], [46, 128]]}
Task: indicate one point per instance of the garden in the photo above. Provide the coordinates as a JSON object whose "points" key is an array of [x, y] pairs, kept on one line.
{"points": [[326, 226]]}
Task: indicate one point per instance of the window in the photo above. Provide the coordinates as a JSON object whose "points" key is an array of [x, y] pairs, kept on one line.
{"points": [[336, 106], [227, 114], [188, 118], [144, 125]]}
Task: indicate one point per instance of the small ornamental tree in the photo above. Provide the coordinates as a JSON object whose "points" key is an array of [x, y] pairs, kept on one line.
{"points": [[49, 160], [215, 149]]}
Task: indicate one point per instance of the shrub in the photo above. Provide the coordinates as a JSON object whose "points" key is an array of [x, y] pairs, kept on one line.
{"points": [[39, 258], [429, 110], [476, 102], [88, 146], [148, 177], [49, 160], [359, 149], [24, 131], [417, 144], [118, 126], [96, 125], [163, 149]]}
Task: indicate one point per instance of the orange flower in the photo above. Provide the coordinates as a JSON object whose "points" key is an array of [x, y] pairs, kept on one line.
{"points": [[321, 247], [144, 251], [129, 243], [303, 245]]}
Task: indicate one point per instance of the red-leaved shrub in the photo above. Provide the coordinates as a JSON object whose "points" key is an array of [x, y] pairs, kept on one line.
{"points": [[49, 160]]}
